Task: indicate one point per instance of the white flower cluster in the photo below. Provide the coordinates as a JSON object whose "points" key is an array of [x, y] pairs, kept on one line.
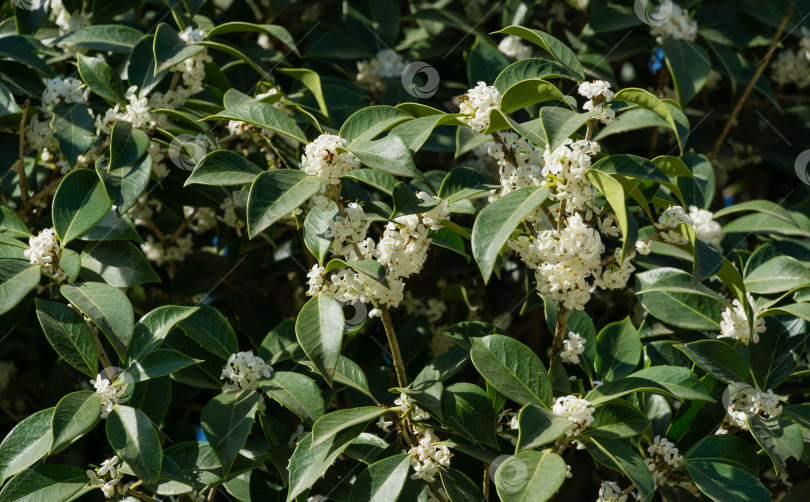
{"points": [[238, 199], [43, 251], [662, 450], [678, 25], [610, 491], [514, 47], [66, 21], [668, 224], [200, 219], [243, 371], [321, 159], [759, 402], [791, 68], [529, 170], [476, 104], [405, 403], [68, 91], [428, 457], [507, 418], [735, 323], [386, 64], [8, 370], [577, 410], [348, 230], [706, 229], [804, 43], [402, 250], [108, 478], [562, 261], [598, 93], [161, 253], [109, 394], [136, 112], [573, 347], [565, 167]]}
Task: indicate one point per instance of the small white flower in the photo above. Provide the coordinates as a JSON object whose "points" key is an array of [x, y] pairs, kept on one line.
{"points": [[577, 410], [668, 223], [514, 47], [735, 323], [384, 424], [706, 229], [322, 160], [109, 394], [244, 370], [573, 347], [679, 25], [477, 104], [610, 492]]}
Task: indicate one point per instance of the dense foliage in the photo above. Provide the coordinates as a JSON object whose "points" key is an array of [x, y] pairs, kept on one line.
{"points": [[422, 251]]}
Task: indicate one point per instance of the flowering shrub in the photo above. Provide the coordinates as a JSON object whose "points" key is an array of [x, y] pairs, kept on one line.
{"points": [[383, 251]]}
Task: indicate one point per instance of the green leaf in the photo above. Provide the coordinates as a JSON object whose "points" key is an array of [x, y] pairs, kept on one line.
{"points": [[141, 69], [296, 392], [383, 182], [101, 79], [17, 279], [223, 168], [308, 463], [127, 144], [775, 356], [280, 343], [151, 330], [462, 183], [617, 455], [512, 368], [273, 30], [526, 69], [539, 426], [645, 99], [555, 125], [631, 166], [126, 184], [263, 115], [45, 482], [371, 268], [226, 421], [69, 335], [332, 423], [73, 127], [79, 203], [11, 224], [389, 155], [530, 476], [613, 190], [317, 225], [28, 441], [618, 350], [118, 263], [368, 123], [720, 359], [208, 327], [133, 438], [779, 274], [109, 309], [467, 410], [382, 481], [311, 80], [557, 49], [275, 194], [673, 381], [689, 66], [170, 49], [496, 222], [529, 92], [724, 449], [780, 437], [158, 363], [722, 482], [74, 416], [118, 38], [668, 294], [617, 419], [319, 329], [458, 486]]}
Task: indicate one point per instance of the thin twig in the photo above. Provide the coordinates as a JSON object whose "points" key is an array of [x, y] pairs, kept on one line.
{"points": [[396, 355], [21, 163], [486, 482], [750, 86]]}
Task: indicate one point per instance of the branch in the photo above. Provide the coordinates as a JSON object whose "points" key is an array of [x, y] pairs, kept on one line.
{"points": [[396, 355], [21, 163], [750, 86]]}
